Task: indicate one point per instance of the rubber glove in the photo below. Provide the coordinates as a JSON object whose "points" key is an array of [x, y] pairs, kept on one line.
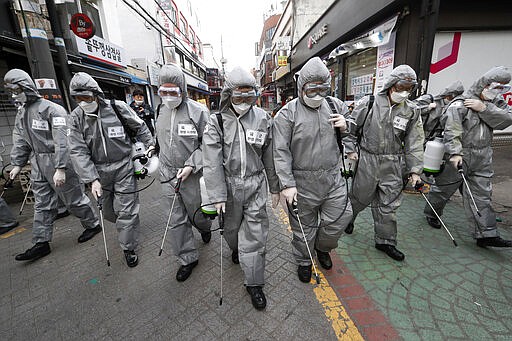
{"points": [[96, 189], [456, 160], [432, 105], [184, 172], [275, 199], [290, 194], [59, 178], [220, 206], [338, 121], [14, 172], [475, 105], [353, 156]]}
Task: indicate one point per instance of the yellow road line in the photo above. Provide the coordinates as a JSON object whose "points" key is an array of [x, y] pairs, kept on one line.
{"points": [[12, 233], [343, 326]]}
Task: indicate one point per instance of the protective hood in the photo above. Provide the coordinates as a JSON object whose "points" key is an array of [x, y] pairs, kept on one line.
{"points": [[313, 71], [17, 77], [238, 77], [401, 72], [82, 84], [172, 73], [455, 89], [496, 74]]}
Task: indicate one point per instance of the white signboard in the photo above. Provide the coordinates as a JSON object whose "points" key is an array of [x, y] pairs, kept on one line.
{"points": [[385, 61], [99, 49]]}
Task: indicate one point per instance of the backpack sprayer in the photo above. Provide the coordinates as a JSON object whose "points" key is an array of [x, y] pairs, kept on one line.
{"points": [[143, 164], [433, 157]]}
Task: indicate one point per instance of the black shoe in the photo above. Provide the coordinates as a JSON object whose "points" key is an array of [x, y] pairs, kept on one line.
{"points": [[62, 214], [184, 271], [434, 222], [493, 241], [88, 234], [257, 297], [391, 251], [206, 237], [324, 259], [304, 272], [35, 252], [350, 228], [131, 258], [7, 228], [234, 257]]}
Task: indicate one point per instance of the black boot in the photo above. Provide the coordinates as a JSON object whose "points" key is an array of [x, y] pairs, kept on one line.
{"points": [[257, 297], [350, 228], [234, 257], [391, 251], [493, 241], [88, 234], [206, 237], [184, 271], [324, 259], [434, 222], [35, 252], [7, 228], [131, 258], [304, 272]]}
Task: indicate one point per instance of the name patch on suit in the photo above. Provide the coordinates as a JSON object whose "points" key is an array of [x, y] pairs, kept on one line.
{"points": [[400, 123], [40, 125], [185, 129], [255, 137], [59, 121], [114, 132]]}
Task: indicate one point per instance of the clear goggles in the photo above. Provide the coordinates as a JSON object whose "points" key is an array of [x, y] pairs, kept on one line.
{"points": [[405, 85], [239, 97], [501, 88], [14, 90], [172, 91], [312, 90]]}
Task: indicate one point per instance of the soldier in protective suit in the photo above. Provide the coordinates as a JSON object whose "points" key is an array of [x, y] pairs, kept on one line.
{"points": [[180, 126], [40, 134], [387, 133], [101, 148], [432, 107], [236, 151], [307, 162], [469, 122]]}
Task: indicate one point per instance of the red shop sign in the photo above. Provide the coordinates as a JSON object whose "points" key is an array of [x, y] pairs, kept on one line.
{"points": [[82, 26]]}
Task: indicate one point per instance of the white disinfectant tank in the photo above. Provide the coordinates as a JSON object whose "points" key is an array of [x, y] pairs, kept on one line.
{"points": [[206, 206], [433, 157]]}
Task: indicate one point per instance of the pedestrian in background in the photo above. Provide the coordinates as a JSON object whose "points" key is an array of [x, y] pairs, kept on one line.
{"points": [[40, 134], [101, 149], [143, 109]]}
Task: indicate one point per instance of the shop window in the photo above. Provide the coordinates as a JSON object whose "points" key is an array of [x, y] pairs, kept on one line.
{"points": [[360, 74]]}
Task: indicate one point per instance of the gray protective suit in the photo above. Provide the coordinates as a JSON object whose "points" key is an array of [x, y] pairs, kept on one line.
{"points": [[101, 149], [388, 135], [7, 219], [431, 117], [234, 159], [179, 132], [307, 156], [469, 133], [40, 134]]}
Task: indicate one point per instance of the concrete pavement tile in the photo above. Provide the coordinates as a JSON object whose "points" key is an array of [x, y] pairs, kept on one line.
{"points": [[430, 335]]}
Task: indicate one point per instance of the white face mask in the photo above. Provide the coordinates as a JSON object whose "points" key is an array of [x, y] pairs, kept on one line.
{"points": [[21, 98], [399, 97], [88, 107], [314, 102], [139, 102], [241, 109], [171, 102], [490, 94]]}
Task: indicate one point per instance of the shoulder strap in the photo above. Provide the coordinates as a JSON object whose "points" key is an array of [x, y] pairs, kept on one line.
{"points": [[130, 132], [438, 123], [369, 107], [337, 130], [221, 126]]}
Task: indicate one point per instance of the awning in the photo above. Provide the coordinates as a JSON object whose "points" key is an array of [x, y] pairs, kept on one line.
{"points": [[206, 92], [106, 74]]}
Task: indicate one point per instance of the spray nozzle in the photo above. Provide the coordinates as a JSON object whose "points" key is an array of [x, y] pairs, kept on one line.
{"points": [[419, 186], [294, 207], [99, 199], [9, 183], [459, 168], [221, 220], [178, 184], [143, 159]]}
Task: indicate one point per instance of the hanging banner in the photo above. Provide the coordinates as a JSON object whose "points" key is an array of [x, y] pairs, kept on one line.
{"points": [[380, 35], [385, 62]]}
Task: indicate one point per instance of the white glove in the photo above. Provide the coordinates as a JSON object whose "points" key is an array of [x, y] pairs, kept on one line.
{"points": [[415, 178], [338, 121], [220, 206], [290, 194], [432, 105], [59, 178], [150, 151], [352, 156], [96, 189], [475, 105], [15, 171], [184, 172], [456, 160], [275, 199]]}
